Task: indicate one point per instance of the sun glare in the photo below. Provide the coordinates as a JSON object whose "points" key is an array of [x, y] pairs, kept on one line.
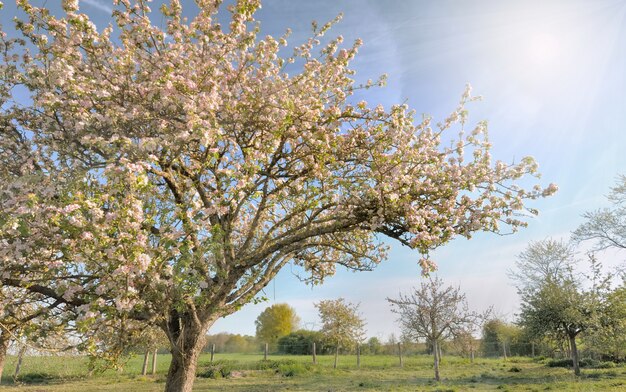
{"points": [[543, 50]]}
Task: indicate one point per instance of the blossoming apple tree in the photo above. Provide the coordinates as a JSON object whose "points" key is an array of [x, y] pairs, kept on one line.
{"points": [[163, 174]]}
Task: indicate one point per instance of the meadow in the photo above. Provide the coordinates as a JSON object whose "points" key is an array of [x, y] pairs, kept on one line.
{"points": [[248, 372]]}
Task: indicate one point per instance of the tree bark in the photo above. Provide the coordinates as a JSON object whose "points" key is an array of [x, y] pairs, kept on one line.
{"points": [[187, 339], [574, 350], [336, 357], [436, 355], [4, 345], [154, 360]]}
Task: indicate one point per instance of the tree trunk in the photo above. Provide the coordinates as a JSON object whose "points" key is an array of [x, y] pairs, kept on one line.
{"points": [[144, 368], [336, 356], [574, 349], [4, 345], [187, 339], [436, 355], [504, 349]]}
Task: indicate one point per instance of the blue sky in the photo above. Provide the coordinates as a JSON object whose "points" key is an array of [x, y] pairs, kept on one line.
{"points": [[553, 78]]}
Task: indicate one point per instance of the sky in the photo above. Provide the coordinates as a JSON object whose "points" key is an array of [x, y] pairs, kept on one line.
{"points": [[553, 79]]}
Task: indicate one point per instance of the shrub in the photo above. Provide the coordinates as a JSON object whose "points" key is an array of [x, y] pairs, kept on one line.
{"points": [[585, 362], [217, 369], [35, 377], [301, 343], [589, 362], [290, 370], [285, 367], [272, 364], [565, 362]]}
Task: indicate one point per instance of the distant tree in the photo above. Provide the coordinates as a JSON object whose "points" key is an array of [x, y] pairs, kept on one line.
{"points": [[464, 340], [540, 261], [606, 227], [508, 334], [237, 344], [490, 344], [434, 313], [301, 343], [608, 337], [465, 344], [275, 322], [342, 326], [219, 340], [373, 345]]}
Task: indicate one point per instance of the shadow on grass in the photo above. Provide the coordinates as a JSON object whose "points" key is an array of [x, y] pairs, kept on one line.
{"points": [[32, 378]]}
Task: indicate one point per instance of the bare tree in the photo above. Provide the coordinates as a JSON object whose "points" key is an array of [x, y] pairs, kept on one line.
{"points": [[606, 226], [434, 312], [542, 260]]}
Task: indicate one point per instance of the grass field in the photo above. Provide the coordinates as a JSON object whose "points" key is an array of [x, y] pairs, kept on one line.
{"points": [[297, 373]]}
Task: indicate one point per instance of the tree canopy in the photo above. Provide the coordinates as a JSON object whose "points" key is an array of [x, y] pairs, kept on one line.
{"points": [[162, 174]]}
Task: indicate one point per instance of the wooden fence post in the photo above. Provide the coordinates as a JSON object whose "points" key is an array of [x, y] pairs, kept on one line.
{"points": [[212, 351], [154, 359], [314, 356], [400, 353], [144, 368], [20, 358]]}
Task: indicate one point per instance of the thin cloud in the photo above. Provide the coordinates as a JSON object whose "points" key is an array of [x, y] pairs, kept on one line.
{"points": [[99, 5]]}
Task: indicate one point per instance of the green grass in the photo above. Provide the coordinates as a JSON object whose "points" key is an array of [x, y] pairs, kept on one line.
{"points": [[297, 373]]}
